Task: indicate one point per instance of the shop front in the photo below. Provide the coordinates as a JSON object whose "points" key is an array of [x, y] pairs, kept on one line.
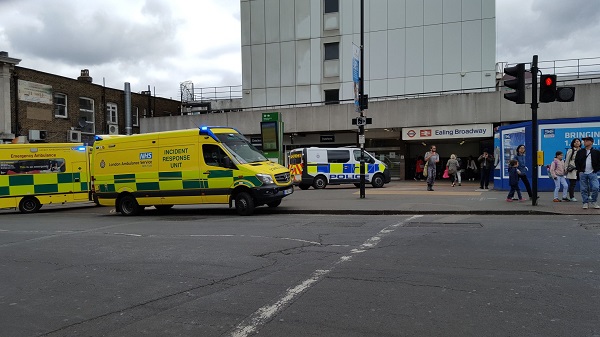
{"points": [[465, 141]]}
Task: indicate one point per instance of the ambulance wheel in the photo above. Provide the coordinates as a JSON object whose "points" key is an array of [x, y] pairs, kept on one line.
{"points": [[378, 181], [244, 204], [319, 183], [274, 204], [304, 186], [127, 205], [29, 205]]}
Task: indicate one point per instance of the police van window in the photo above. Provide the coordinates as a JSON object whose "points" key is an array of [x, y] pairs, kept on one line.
{"points": [[213, 155], [368, 159], [338, 156]]}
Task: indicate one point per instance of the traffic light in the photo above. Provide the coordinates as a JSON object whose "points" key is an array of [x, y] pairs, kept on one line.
{"points": [[547, 88], [518, 83], [565, 94]]}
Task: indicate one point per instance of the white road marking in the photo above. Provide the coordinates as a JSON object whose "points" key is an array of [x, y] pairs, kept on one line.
{"points": [[261, 316], [127, 234]]}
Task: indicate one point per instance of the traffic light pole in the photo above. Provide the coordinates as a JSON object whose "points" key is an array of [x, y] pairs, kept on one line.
{"points": [[534, 129], [360, 98]]}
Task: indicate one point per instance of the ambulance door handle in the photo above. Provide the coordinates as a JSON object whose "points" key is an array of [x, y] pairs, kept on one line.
{"points": [[207, 172]]}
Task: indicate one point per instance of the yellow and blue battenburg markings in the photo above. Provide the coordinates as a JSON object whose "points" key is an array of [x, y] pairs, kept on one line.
{"points": [[340, 168]]}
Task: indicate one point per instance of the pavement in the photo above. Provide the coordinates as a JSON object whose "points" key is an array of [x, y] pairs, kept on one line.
{"points": [[401, 197], [412, 197]]}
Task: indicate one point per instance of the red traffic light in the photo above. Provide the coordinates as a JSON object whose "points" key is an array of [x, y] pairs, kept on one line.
{"points": [[547, 88]]}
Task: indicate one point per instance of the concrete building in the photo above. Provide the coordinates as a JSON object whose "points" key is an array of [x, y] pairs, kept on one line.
{"points": [[297, 52]]}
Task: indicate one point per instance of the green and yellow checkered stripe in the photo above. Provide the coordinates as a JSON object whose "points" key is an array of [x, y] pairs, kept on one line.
{"points": [[172, 181], [42, 183]]}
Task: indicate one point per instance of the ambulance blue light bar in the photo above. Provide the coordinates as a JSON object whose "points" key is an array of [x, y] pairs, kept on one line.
{"points": [[206, 131], [80, 148]]}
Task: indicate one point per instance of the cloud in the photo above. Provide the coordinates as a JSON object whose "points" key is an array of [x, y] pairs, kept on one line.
{"points": [[552, 29], [145, 42]]}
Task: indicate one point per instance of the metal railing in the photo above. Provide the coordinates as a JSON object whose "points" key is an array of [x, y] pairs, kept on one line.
{"points": [[191, 94], [571, 68]]}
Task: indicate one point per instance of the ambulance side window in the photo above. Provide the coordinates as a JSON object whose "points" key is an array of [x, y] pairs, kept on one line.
{"points": [[368, 159], [213, 155], [338, 156]]}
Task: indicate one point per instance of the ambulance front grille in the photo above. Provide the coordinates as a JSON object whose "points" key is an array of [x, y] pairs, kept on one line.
{"points": [[283, 177]]}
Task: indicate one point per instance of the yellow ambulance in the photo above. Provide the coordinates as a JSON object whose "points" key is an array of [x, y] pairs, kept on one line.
{"points": [[32, 175], [207, 165]]}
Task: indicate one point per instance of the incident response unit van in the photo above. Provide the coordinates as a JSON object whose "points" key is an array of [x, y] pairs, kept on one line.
{"points": [[318, 167], [208, 165], [35, 174]]}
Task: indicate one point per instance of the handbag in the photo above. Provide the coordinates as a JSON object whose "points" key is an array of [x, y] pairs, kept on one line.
{"points": [[425, 169], [571, 168], [446, 174]]}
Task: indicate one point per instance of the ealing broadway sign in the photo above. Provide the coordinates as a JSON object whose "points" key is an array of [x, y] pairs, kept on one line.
{"points": [[448, 131]]}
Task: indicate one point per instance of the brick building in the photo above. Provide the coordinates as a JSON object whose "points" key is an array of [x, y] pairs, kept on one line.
{"points": [[42, 107]]}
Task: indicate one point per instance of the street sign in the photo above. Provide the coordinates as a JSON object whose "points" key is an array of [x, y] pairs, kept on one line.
{"points": [[361, 139], [361, 121]]}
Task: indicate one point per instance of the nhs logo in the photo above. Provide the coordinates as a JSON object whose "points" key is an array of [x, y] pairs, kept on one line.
{"points": [[145, 155]]}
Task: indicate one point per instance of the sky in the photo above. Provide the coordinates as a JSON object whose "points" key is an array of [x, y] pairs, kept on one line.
{"points": [[161, 43]]}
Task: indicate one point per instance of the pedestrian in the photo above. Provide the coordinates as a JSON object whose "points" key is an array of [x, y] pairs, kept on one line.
{"points": [[452, 167], [431, 158], [520, 157], [557, 171], [460, 171], [471, 169], [419, 167], [570, 165], [485, 165], [587, 163], [513, 181]]}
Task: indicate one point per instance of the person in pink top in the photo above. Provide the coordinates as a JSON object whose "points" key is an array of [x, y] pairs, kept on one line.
{"points": [[557, 171]]}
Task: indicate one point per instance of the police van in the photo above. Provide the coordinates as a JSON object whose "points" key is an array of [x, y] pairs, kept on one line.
{"points": [[32, 175], [207, 165], [318, 167]]}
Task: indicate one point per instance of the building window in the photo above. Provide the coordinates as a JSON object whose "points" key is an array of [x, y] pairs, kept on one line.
{"points": [[331, 6], [60, 105], [135, 116], [332, 51], [332, 96], [111, 109], [86, 115]]}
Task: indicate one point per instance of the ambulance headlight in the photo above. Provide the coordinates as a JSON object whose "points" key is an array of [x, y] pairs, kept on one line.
{"points": [[265, 178]]}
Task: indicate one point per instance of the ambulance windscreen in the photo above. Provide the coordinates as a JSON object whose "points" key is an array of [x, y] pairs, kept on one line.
{"points": [[241, 148]]}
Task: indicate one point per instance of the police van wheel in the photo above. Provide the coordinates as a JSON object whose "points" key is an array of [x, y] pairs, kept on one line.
{"points": [[244, 204], [378, 181], [319, 183], [304, 186], [128, 205], [29, 205], [274, 204]]}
